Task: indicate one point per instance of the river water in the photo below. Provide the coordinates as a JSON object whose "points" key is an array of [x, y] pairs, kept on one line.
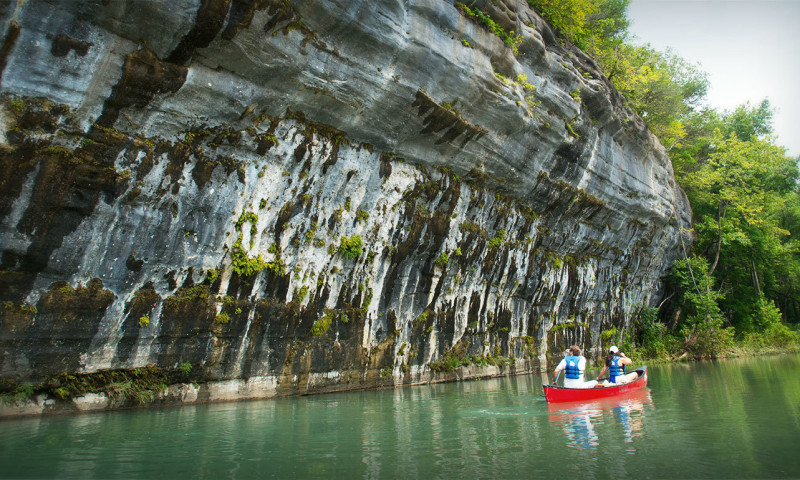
{"points": [[728, 419]]}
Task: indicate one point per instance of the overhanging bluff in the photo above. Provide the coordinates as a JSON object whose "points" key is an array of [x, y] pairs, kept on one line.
{"points": [[270, 197]]}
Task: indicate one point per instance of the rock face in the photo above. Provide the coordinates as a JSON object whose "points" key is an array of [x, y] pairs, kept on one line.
{"points": [[282, 197]]}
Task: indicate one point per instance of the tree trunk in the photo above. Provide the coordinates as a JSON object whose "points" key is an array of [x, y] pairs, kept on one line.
{"points": [[754, 276], [721, 210], [674, 322]]}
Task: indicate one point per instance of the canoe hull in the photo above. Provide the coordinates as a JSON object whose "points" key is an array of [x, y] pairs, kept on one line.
{"points": [[555, 394]]}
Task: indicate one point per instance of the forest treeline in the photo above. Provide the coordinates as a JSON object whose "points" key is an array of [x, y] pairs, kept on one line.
{"points": [[736, 285]]}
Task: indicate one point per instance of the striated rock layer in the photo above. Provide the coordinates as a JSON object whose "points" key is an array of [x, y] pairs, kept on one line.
{"points": [[273, 197]]}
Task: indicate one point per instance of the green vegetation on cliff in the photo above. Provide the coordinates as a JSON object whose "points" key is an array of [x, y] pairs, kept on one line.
{"points": [[510, 38], [661, 87]]}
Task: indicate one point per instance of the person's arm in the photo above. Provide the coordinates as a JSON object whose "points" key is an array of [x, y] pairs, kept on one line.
{"points": [[605, 367], [561, 366], [624, 360]]}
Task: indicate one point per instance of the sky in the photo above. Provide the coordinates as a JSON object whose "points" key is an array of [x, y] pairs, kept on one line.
{"points": [[749, 48]]}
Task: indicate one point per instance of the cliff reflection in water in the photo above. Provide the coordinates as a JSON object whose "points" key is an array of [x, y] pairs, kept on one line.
{"points": [[580, 419]]}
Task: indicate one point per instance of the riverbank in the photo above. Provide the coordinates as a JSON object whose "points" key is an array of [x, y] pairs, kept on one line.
{"points": [[105, 391], [738, 350], [122, 390]]}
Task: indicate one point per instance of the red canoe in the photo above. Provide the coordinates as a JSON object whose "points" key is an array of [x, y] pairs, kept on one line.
{"points": [[555, 394]]}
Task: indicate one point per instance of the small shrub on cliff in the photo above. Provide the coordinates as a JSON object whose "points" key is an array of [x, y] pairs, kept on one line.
{"points": [[222, 318], [351, 247], [244, 265], [608, 335], [24, 308], [61, 393], [301, 294], [22, 392], [213, 273], [16, 105], [144, 321], [511, 38], [321, 326], [246, 217], [311, 233], [449, 363], [523, 82], [139, 385], [195, 292], [571, 130], [498, 239]]}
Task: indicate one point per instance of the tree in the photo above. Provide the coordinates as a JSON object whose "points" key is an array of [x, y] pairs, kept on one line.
{"points": [[746, 122], [703, 331], [689, 154], [737, 195], [569, 17], [661, 87]]}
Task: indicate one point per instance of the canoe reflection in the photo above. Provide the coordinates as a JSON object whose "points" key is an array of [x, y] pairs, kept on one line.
{"points": [[579, 419]]}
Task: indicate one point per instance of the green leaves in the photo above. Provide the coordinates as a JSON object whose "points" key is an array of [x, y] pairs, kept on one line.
{"points": [[510, 38], [661, 87], [703, 332], [746, 122], [351, 247], [743, 192], [744, 181], [321, 326], [581, 21]]}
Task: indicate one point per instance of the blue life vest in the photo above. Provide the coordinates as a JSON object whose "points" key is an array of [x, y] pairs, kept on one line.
{"points": [[572, 371], [615, 370]]}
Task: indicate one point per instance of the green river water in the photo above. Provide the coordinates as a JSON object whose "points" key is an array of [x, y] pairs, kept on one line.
{"points": [[728, 419]]}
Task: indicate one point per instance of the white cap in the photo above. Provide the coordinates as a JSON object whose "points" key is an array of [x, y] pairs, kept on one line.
{"points": [[613, 349]]}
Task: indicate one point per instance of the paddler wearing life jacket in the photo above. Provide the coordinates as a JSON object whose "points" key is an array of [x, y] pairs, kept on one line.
{"points": [[574, 366], [615, 364]]}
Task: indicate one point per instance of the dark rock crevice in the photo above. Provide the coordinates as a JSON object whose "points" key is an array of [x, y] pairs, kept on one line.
{"points": [[144, 76]]}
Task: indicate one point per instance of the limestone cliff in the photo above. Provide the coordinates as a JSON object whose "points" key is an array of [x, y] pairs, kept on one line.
{"points": [[271, 197]]}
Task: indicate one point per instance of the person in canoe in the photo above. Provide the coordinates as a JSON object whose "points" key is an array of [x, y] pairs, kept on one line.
{"points": [[574, 366], [615, 364]]}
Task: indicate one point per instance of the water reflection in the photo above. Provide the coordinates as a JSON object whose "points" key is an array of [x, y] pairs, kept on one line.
{"points": [[580, 420], [500, 428]]}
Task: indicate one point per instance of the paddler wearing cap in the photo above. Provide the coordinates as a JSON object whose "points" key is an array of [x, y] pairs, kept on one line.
{"points": [[615, 364]]}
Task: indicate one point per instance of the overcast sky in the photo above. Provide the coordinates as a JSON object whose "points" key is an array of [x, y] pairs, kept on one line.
{"points": [[749, 48]]}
